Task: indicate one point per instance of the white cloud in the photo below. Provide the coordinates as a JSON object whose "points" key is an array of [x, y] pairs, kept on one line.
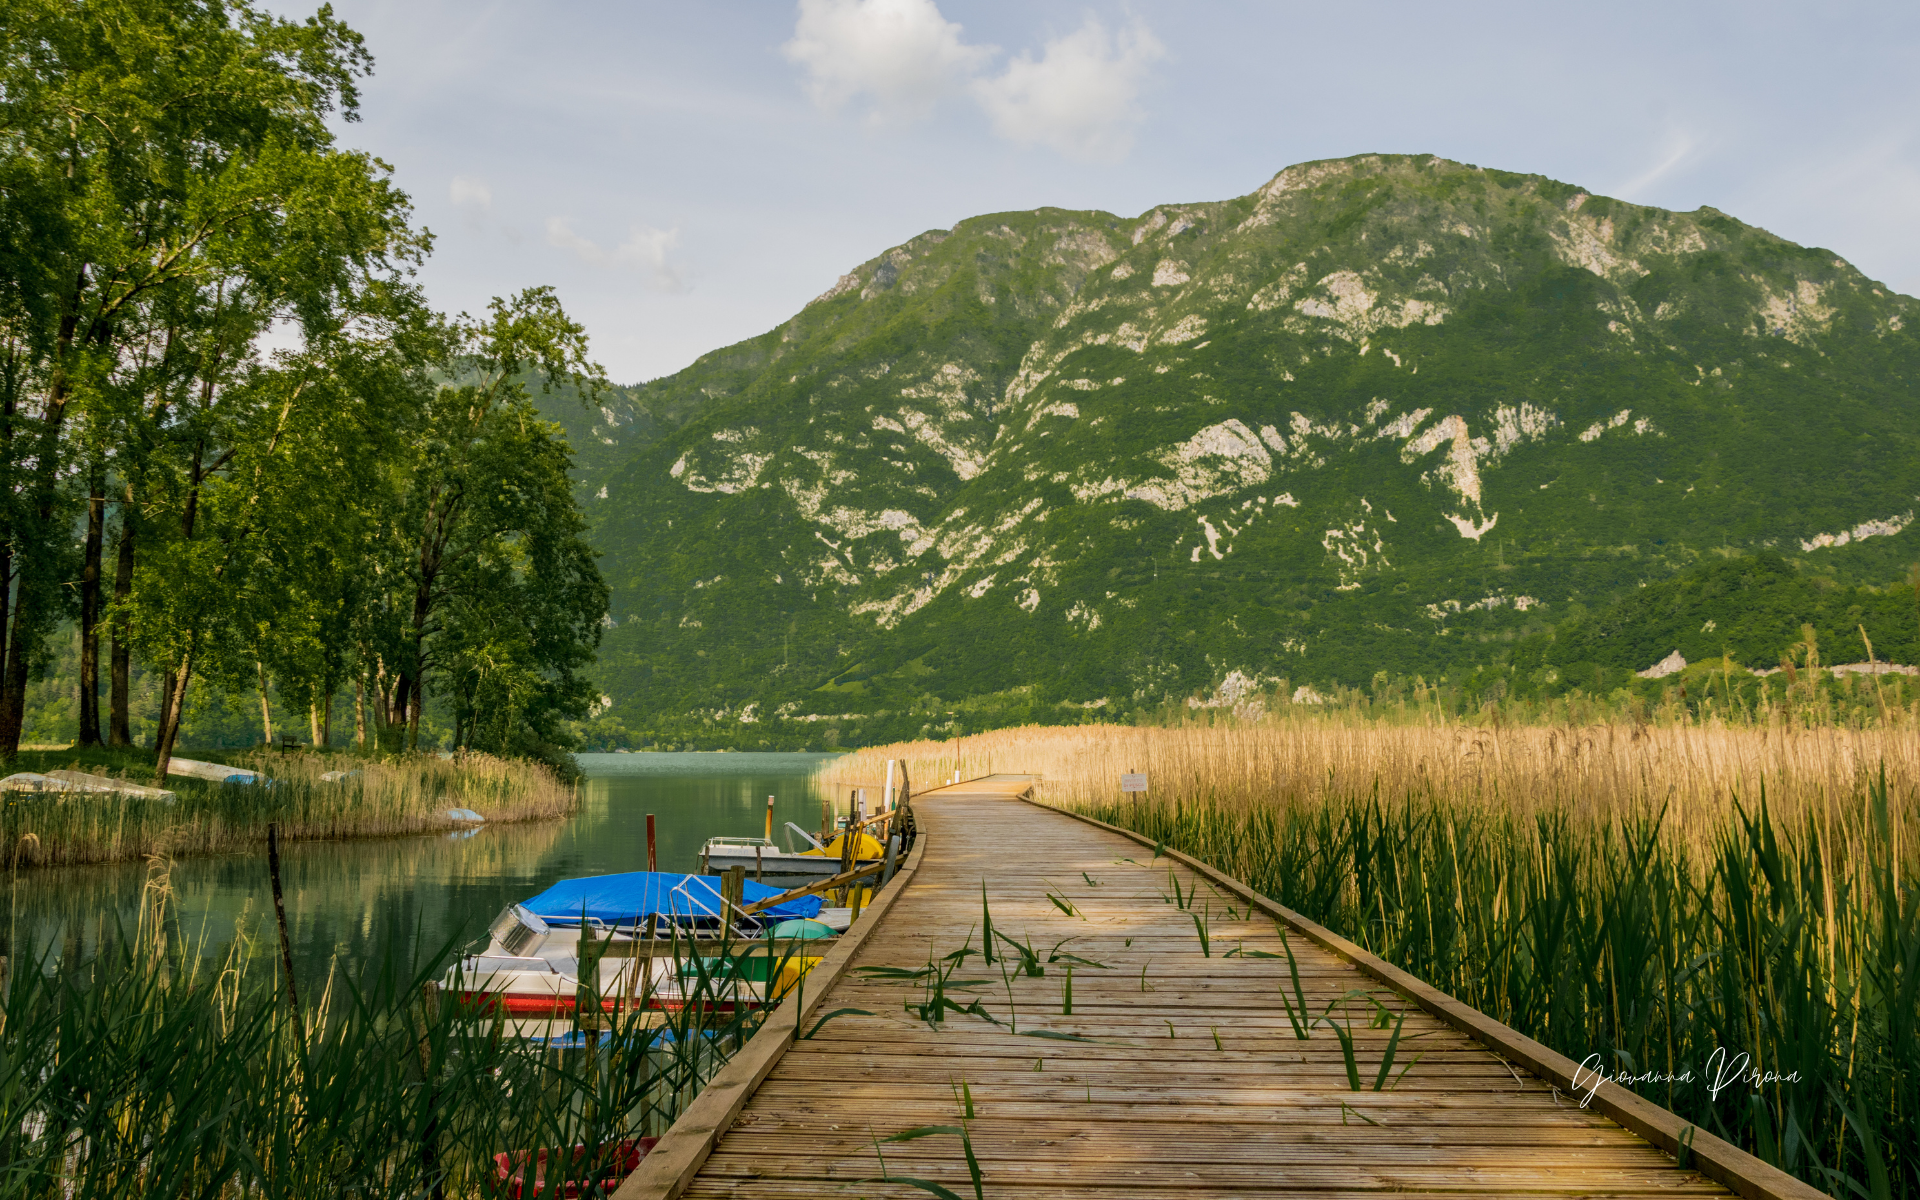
{"points": [[1081, 97], [467, 191], [901, 56], [560, 234], [1680, 147], [644, 251]]}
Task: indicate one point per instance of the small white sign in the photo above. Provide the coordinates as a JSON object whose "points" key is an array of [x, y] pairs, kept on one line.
{"points": [[1133, 783]]}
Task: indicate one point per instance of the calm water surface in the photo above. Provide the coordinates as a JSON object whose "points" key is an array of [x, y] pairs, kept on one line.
{"points": [[360, 900]]}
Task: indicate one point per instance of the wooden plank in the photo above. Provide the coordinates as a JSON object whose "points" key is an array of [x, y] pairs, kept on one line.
{"points": [[1273, 1189], [1056, 1127]]}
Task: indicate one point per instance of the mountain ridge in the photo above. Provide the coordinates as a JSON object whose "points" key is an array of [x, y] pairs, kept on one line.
{"points": [[1049, 460]]}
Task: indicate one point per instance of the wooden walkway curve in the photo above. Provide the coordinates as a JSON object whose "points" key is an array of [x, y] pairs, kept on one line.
{"points": [[1190, 1081]]}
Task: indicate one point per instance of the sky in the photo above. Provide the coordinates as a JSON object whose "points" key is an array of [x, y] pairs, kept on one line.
{"points": [[687, 175]]}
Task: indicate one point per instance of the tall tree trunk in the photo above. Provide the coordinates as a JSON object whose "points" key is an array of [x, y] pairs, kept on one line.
{"points": [[8, 561], [266, 712], [168, 680], [397, 700], [360, 711], [39, 532], [119, 731], [13, 681], [90, 608], [314, 736], [413, 714], [177, 683]]}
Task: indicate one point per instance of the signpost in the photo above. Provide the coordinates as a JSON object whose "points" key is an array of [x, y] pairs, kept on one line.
{"points": [[1132, 782]]}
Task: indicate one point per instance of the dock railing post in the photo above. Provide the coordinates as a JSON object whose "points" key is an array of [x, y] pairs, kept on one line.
{"points": [[733, 888]]}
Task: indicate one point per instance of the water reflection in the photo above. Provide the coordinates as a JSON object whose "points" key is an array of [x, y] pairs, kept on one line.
{"points": [[360, 900]]}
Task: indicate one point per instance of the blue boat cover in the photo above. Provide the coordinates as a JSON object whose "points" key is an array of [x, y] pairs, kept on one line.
{"points": [[630, 898]]}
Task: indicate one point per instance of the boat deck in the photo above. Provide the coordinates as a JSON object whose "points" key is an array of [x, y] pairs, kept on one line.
{"points": [[1172, 1070]]}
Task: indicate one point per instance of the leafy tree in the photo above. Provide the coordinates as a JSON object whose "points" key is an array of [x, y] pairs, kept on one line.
{"points": [[171, 190], [495, 592]]}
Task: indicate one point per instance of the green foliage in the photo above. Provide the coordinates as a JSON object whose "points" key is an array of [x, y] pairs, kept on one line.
{"points": [[169, 1067], [490, 589], [1748, 610], [284, 523]]}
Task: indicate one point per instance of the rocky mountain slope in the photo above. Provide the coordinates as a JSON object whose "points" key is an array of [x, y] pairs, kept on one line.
{"points": [[1384, 414]]}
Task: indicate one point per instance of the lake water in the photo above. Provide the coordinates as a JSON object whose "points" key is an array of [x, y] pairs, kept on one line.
{"points": [[361, 899]]}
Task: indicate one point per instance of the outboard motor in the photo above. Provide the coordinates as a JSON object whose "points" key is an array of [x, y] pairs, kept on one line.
{"points": [[519, 932]]}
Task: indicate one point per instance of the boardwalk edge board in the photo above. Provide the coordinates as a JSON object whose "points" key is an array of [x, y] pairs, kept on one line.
{"points": [[671, 1165], [1712, 1157]]}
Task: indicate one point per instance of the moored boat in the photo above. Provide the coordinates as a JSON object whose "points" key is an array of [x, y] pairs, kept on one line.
{"points": [[573, 946], [778, 867]]}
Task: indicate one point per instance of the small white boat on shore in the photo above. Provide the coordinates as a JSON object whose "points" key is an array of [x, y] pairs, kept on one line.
{"points": [[193, 768], [81, 781]]}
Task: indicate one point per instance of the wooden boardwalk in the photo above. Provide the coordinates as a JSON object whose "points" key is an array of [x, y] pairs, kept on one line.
{"points": [[1191, 1080]]}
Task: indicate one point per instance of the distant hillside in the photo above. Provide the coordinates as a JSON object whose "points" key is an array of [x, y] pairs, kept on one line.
{"points": [[1746, 612], [1384, 414]]}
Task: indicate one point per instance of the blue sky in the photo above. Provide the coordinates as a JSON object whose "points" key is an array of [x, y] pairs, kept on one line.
{"points": [[688, 175]]}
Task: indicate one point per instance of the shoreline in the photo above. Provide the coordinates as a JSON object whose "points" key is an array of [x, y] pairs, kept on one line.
{"points": [[379, 799]]}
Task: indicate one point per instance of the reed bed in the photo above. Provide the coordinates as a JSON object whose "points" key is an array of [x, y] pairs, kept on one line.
{"points": [[1726, 917], [378, 798], [163, 1068], [1597, 771]]}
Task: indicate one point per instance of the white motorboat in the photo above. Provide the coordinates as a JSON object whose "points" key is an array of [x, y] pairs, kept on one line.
{"points": [[532, 963]]}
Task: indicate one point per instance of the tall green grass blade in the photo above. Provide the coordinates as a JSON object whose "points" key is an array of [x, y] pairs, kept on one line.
{"points": [[838, 1012], [1386, 1060]]}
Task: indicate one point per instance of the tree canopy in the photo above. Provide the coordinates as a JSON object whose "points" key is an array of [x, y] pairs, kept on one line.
{"points": [[376, 504]]}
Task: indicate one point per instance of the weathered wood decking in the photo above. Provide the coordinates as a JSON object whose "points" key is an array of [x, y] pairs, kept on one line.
{"points": [[1193, 1082]]}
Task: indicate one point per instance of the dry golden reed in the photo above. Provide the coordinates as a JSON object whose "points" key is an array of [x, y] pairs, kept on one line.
{"points": [[376, 799], [1600, 771]]}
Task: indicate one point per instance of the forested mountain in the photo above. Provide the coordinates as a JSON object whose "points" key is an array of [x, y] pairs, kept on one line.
{"points": [[1384, 414]]}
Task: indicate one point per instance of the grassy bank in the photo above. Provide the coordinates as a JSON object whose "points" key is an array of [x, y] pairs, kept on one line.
{"points": [[378, 798], [166, 1068], [1645, 895]]}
